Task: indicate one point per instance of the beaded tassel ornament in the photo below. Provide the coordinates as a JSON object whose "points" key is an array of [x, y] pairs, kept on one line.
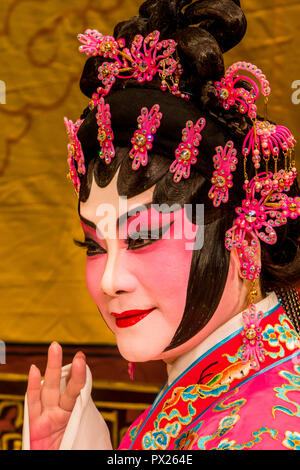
{"points": [[131, 368]]}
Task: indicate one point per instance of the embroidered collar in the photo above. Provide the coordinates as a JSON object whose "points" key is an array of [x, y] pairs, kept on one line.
{"points": [[220, 334]]}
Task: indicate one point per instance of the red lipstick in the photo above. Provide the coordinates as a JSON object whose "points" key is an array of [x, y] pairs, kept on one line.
{"points": [[130, 317]]}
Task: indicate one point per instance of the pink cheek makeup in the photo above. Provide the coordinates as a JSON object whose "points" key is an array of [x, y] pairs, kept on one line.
{"points": [[130, 317]]}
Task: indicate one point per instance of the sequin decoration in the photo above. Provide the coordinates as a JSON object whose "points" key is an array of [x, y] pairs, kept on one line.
{"points": [[75, 154], [231, 94], [105, 133], [252, 348], [148, 123], [225, 162], [187, 151]]}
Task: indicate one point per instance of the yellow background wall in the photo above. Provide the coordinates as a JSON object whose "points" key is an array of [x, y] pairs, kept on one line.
{"points": [[42, 288]]}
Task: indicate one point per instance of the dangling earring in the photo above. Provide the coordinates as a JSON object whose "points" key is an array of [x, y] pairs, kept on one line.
{"points": [[131, 367], [252, 348]]}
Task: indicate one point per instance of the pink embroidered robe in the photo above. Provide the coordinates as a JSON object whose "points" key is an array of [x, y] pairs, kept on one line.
{"points": [[219, 402]]}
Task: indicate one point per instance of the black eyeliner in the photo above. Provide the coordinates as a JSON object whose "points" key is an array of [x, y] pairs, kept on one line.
{"points": [[158, 234], [89, 243], [152, 236]]}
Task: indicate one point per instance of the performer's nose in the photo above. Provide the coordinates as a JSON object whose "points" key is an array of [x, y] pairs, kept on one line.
{"points": [[116, 278]]}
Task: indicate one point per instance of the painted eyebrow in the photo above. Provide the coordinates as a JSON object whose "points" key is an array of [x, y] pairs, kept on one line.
{"points": [[121, 219]]}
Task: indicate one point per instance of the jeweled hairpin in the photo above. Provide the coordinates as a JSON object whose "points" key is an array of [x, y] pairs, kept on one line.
{"points": [[76, 156], [230, 94], [105, 134], [148, 123], [187, 151], [225, 164]]}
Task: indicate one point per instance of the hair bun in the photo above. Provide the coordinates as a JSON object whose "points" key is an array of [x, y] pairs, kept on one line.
{"points": [[223, 19], [204, 30]]}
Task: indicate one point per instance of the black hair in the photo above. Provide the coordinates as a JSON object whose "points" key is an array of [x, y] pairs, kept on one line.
{"points": [[203, 30]]}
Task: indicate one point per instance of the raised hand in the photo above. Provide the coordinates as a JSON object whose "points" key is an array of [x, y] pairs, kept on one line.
{"points": [[48, 409]]}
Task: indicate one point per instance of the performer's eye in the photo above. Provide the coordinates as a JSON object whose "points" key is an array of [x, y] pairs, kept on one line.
{"points": [[135, 243], [92, 247], [140, 239]]}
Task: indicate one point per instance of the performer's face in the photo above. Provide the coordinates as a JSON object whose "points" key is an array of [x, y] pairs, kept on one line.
{"points": [[149, 274]]}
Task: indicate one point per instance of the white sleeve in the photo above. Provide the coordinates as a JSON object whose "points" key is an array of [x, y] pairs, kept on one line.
{"points": [[86, 429]]}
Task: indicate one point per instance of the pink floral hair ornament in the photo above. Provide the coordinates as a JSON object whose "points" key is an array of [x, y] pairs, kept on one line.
{"points": [[75, 153], [266, 205], [187, 151], [225, 162], [147, 57], [262, 211], [229, 94], [252, 349], [105, 133], [148, 123]]}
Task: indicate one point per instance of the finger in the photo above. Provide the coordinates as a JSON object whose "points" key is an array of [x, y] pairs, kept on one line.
{"points": [[51, 386], [77, 355], [75, 384], [34, 393]]}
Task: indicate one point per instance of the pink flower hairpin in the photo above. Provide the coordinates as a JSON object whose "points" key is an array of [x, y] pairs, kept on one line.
{"points": [[75, 153], [146, 57], [229, 94], [252, 348], [105, 133], [187, 151], [95, 43], [148, 123], [151, 56], [267, 140], [258, 217], [225, 163]]}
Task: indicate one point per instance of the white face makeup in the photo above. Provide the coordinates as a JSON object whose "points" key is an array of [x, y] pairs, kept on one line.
{"points": [[139, 286]]}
